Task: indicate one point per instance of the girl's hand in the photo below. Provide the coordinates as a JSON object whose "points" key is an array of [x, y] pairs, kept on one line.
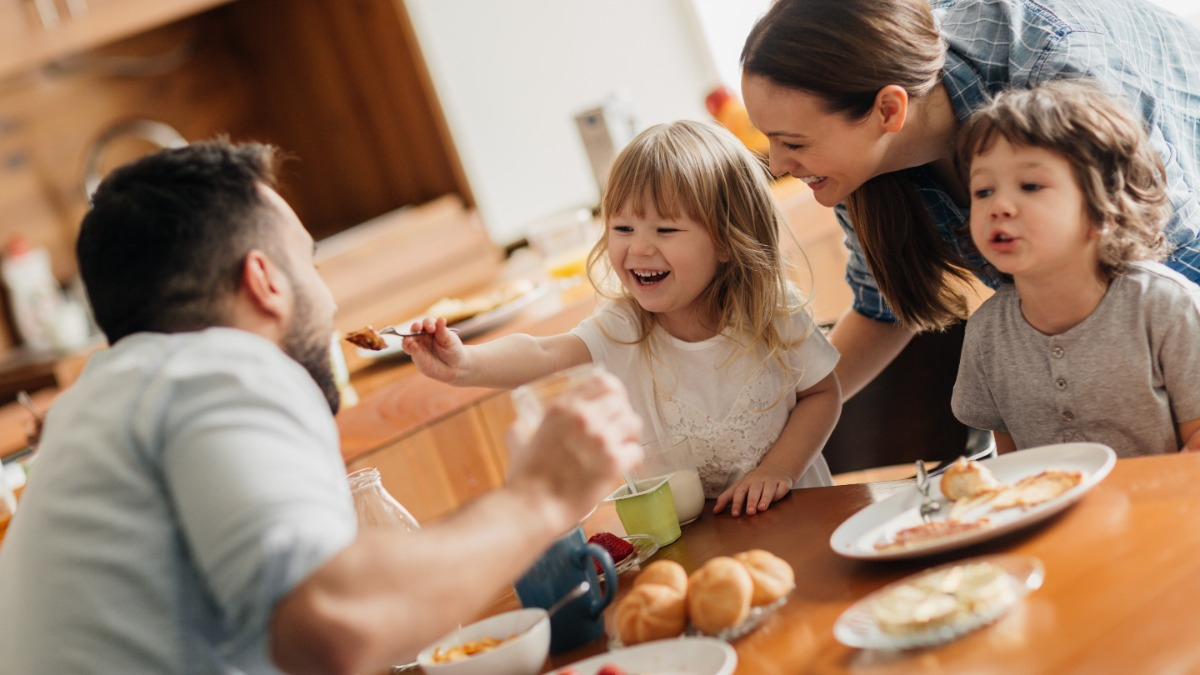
{"points": [[755, 491], [439, 353]]}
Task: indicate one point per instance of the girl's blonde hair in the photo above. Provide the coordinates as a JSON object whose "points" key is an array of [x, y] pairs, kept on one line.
{"points": [[845, 51], [1120, 174], [699, 171]]}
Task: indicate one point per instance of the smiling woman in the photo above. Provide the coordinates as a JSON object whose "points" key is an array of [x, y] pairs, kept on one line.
{"points": [[879, 80]]}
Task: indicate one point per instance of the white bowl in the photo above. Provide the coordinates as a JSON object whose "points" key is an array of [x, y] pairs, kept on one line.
{"points": [[523, 655]]}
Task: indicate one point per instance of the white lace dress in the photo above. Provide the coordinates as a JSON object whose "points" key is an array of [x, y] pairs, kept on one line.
{"points": [[733, 412]]}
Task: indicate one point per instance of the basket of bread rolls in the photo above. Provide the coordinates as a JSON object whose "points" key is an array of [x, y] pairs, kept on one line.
{"points": [[726, 597]]}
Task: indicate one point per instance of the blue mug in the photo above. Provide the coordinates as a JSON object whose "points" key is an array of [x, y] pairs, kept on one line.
{"points": [[560, 569]]}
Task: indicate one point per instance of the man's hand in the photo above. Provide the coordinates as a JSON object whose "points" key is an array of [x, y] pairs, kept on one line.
{"points": [[588, 439], [755, 491]]}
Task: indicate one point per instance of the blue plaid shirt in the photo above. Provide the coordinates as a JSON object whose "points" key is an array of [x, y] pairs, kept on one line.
{"points": [[1138, 51]]}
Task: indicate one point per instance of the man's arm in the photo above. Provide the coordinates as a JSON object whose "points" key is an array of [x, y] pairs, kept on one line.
{"points": [[388, 594], [867, 347]]}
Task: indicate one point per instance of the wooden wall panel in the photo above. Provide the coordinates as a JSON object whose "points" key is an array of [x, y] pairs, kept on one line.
{"points": [[436, 470], [49, 118], [346, 90]]}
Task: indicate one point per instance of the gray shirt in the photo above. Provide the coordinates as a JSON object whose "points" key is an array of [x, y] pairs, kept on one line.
{"points": [[1126, 376], [184, 485]]}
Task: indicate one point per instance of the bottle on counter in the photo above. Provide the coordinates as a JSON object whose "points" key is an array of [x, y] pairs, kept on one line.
{"points": [[727, 109], [46, 318], [34, 293], [374, 505]]}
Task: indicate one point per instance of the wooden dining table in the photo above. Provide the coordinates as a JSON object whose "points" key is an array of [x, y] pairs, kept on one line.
{"points": [[1121, 592]]}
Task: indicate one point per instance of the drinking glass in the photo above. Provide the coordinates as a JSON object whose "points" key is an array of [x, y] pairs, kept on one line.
{"points": [[531, 400]]}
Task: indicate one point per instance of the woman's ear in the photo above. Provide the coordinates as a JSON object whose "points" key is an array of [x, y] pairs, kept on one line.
{"points": [[891, 104], [265, 285]]}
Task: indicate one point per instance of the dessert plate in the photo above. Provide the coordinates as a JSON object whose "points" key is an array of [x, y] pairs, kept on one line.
{"points": [[676, 656], [644, 546], [859, 535], [859, 626]]}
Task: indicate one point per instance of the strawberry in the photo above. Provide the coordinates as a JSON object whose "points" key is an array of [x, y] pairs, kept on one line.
{"points": [[610, 669], [617, 547]]}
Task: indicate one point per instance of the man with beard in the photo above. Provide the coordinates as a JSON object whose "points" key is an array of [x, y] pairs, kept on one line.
{"points": [[189, 511]]}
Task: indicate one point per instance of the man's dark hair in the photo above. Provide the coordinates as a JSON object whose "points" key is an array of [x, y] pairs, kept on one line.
{"points": [[162, 247]]}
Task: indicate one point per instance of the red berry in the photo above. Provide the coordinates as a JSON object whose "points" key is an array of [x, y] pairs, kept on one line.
{"points": [[617, 547], [610, 669]]}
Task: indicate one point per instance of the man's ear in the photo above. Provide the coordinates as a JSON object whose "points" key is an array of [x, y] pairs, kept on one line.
{"points": [[891, 104], [265, 284]]}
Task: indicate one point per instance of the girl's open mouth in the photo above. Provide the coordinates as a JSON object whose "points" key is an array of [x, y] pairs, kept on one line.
{"points": [[648, 278]]}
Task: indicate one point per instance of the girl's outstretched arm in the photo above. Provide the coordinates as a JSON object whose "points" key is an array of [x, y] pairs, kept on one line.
{"points": [[505, 362], [808, 427]]}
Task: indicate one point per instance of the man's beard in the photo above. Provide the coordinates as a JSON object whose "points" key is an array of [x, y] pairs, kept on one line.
{"points": [[309, 346]]}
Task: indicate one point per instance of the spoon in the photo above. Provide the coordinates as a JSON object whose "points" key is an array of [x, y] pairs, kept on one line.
{"points": [[571, 596]]}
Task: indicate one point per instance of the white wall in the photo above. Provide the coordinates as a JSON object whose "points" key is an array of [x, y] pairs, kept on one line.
{"points": [[512, 75]]}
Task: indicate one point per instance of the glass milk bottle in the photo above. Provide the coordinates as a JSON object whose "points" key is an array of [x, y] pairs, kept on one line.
{"points": [[374, 505]]}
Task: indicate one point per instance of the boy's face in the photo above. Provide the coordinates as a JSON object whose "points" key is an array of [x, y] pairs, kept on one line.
{"points": [[1028, 215]]}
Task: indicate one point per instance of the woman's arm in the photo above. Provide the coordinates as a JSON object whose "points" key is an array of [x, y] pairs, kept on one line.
{"points": [[867, 347], [808, 427]]}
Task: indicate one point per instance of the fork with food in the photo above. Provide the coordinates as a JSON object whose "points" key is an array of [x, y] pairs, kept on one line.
{"points": [[368, 337]]}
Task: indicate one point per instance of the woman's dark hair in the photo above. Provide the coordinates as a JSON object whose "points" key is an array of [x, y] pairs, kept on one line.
{"points": [[162, 246], [844, 52]]}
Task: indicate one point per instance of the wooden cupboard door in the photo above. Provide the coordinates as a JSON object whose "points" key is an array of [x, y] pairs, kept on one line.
{"points": [[35, 32], [438, 469]]}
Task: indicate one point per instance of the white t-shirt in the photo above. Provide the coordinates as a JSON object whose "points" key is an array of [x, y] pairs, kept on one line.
{"points": [[184, 485], [733, 412]]}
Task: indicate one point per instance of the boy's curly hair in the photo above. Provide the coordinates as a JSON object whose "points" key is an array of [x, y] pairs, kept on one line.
{"points": [[1121, 175]]}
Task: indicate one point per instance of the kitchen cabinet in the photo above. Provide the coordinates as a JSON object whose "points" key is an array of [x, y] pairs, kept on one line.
{"points": [[341, 87], [36, 32]]}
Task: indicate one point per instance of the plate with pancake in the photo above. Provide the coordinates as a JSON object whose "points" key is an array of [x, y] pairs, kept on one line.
{"points": [[940, 604], [1010, 492], [469, 316]]}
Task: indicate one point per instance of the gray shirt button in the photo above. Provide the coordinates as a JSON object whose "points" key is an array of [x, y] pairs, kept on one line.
{"points": [[1068, 416], [1060, 383], [1057, 352]]}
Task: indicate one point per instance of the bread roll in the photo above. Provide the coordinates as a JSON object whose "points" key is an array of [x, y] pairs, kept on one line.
{"points": [[966, 479], [666, 572], [719, 595], [771, 575], [650, 612]]}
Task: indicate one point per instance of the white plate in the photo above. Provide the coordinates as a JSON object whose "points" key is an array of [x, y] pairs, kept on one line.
{"points": [[467, 328], [858, 535], [681, 656], [858, 627]]}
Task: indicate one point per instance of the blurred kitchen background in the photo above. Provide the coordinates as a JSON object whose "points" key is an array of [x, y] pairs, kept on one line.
{"points": [[386, 105]]}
